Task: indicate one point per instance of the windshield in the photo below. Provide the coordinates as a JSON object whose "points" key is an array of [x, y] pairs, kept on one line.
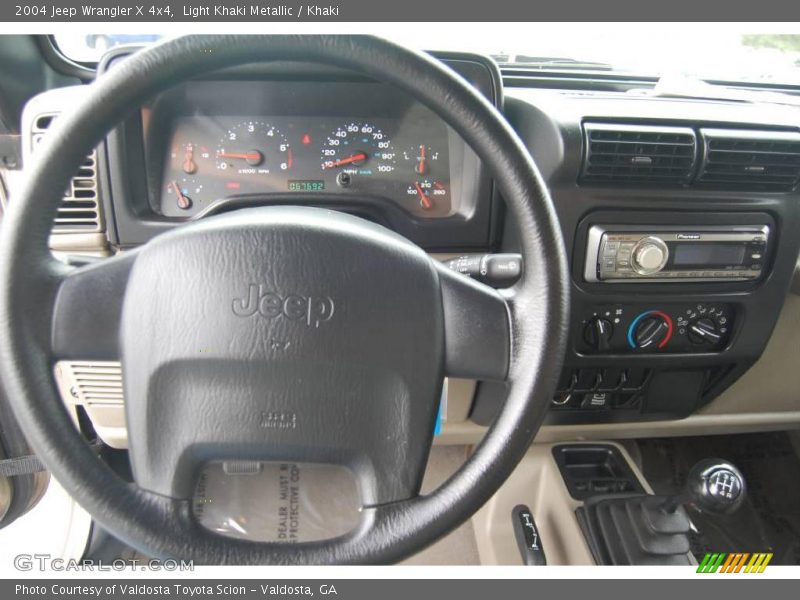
{"points": [[722, 53]]}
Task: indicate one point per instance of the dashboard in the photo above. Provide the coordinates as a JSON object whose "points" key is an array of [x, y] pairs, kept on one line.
{"points": [[680, 216], [291, 138]]}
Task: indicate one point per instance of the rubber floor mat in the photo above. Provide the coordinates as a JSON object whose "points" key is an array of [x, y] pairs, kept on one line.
{"points": [[769, 519]]}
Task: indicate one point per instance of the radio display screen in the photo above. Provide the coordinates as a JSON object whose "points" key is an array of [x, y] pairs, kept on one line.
{"points": [[708, 254]]}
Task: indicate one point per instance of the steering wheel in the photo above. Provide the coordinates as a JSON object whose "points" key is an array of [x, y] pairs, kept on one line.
{"points": [[280, 333]]}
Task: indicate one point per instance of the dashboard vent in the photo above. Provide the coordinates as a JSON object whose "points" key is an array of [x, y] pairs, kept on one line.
{"points": [[750, 159], [79, 211], [639, 154]]}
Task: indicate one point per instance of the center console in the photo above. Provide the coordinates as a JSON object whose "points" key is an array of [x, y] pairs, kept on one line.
{"points": [[680, 222]]}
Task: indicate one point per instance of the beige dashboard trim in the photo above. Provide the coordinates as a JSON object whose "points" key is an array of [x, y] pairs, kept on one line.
{"points": [[470, 433]]}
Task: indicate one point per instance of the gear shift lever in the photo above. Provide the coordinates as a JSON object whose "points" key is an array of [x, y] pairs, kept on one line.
{"points": [[713, 485], [640, 529]]}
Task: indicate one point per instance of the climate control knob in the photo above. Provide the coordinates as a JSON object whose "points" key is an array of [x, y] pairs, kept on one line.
{"points": [[649, 255], [650, 330], [704, 331], [597, 334]]}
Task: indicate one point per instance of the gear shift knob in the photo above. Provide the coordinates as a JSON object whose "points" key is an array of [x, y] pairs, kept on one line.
{"points": [[714, 485]]}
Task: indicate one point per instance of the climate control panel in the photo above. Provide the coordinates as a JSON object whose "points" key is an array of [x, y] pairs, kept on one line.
{"points": [[673, 328]]}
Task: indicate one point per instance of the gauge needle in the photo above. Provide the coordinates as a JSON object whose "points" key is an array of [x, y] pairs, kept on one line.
{"points": [[423, 199], [422, 160], [189, 166], [242, 155], [183, 201], [345, 161]]}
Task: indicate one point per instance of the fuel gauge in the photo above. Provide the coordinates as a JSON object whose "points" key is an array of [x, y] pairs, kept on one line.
{"points": [[183, 190]]}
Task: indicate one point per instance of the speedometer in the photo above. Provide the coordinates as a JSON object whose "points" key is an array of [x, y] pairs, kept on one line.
{"points": [[359, 149]]}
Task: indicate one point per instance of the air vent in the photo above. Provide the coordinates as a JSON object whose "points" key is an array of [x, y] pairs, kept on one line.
{"points": [[638, 154], [750, 159], [79, 210]]}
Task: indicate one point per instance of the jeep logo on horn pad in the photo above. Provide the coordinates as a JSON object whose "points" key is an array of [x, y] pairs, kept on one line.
{"points": [[313, 310]]}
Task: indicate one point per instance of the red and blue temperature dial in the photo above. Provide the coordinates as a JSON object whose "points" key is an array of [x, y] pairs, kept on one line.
{"points": [[650, 329]]}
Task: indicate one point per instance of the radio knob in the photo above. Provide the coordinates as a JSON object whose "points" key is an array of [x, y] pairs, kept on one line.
{"points": [[649, 256]]}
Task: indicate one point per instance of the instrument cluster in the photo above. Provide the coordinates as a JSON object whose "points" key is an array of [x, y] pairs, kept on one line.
{"points": [[213, 159]]}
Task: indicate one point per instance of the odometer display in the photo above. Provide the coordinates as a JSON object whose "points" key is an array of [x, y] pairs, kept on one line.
{"points": [[306, 185]]}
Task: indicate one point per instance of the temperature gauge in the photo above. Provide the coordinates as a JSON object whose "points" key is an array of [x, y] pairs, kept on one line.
{"points": [[429, 194]]}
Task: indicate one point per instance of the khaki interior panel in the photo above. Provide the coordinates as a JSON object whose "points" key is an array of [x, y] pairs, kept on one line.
{"points": [[537, 483]]}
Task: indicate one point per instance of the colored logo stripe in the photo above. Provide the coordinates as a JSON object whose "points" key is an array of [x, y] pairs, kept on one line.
{"points": [[734, 562]]}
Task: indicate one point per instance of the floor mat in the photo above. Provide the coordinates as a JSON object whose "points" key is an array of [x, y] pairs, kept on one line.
{"points": [[769, 519]]}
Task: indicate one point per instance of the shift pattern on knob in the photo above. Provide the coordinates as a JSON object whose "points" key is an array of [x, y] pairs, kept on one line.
{"points": [[715, 485]]}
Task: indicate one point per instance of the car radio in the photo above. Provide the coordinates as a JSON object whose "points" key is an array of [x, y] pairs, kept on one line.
{"points": [[625, 253]]}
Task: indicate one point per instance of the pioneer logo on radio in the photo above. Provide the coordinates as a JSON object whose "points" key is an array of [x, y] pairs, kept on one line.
{"points": [[313, 310], [688, 236]]}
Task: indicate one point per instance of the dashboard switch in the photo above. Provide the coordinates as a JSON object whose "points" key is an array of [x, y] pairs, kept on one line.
{"points": [[496, 270], [597, 334], [501, 268], [469, 265], [704, 331]]}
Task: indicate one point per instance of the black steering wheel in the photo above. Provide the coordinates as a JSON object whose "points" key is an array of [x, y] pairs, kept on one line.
{"points": [[280, 333]]}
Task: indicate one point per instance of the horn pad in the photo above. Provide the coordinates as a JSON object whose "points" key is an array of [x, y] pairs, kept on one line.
{"points": [[282, 333]]}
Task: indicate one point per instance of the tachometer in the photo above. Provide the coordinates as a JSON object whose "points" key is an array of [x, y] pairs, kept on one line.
{"points": [[359, 149], [254, 148]]}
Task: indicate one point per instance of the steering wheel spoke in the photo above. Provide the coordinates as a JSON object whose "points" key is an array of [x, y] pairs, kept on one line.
{"points": [[88, 308], [477, 328]]}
